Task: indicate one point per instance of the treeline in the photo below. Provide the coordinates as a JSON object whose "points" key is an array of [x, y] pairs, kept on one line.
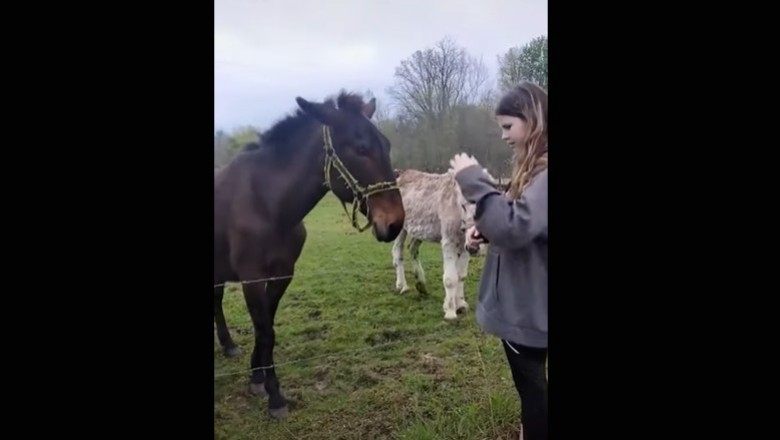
{"points": [[441, 103]]}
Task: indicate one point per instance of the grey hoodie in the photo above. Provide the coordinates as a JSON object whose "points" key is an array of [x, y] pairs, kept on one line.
{"points": [[513, 289]]}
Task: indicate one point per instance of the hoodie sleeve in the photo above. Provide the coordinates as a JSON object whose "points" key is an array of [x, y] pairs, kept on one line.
{"points": [[509, 225]]}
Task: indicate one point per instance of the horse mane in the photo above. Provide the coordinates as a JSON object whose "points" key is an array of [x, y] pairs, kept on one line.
{"points": [[287, 127], [354, 104], [276, 137], [252, 146], [350, 102]]}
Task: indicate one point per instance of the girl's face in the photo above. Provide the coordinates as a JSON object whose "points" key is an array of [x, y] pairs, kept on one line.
{"points": [[513, 130]]}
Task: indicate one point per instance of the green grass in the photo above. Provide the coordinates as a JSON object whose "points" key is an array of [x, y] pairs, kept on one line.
{"points": [[385, 366]]}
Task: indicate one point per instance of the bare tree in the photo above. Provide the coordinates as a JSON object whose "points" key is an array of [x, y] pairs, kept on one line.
{"points": [[433, 81], [527, 62]]}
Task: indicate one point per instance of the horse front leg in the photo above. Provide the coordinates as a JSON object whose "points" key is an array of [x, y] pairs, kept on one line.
{"points": [[277, 403], [229, 348], [261, 308], [284, 255], [258, 306]]}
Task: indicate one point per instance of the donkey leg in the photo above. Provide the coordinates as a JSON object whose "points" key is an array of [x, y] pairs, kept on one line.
{"points": [[450, 279], [463, 269], [419, 273], [398, 262], [229, 348]]}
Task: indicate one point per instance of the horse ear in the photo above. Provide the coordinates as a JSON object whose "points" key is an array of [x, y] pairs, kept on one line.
{"points": [[369, 108], [324, 113]]}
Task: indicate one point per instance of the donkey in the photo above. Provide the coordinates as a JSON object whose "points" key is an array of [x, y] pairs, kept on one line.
{"points": [[262, 196], [437, 212]]}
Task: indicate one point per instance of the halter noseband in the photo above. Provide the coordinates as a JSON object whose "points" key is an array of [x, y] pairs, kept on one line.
{"points": [[359, 193]]}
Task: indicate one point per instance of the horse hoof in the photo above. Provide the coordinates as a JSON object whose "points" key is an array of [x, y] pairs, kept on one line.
{"points": [[402, 290], [231, 352], [279, 413], [449, 316], [257, 389], [420, 286]]}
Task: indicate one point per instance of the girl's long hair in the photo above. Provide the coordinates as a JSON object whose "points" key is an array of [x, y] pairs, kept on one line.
{"points": [[528, 102]]}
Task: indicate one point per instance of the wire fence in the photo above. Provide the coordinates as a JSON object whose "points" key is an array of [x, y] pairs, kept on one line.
{"points": [[336, 356], [333, 357], [305, 275], [388, 272]]}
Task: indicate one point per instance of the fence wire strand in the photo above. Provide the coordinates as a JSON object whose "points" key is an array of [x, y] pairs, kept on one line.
{"points": [[337, 355], [305, 275]]}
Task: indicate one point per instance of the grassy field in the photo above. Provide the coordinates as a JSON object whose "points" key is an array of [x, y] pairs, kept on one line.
{"points": [[359, 361]]}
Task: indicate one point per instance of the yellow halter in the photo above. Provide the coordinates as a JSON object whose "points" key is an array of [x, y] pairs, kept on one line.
{"points": [[358, 192]]}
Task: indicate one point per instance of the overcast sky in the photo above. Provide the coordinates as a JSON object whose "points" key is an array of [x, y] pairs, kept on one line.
{"points": [[267, 52]]}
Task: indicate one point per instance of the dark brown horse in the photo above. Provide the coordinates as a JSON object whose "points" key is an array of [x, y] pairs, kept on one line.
{"points": [[262, 196]]}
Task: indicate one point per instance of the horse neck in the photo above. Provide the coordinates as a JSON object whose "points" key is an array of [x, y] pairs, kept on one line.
{"points": [[305, 188]]}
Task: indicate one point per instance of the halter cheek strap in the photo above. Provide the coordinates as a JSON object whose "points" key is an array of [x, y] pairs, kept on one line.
{"points": [[359, 192]]}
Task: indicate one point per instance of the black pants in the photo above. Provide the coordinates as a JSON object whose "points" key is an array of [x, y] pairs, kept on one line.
{"points": [[528, 372]]}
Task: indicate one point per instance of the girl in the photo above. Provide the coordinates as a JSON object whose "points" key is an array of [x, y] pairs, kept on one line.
{"points": [[512, 302]]}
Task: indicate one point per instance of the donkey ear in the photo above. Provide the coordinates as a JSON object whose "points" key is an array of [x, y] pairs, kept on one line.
{"points": [[369, 108], [324, 113]]}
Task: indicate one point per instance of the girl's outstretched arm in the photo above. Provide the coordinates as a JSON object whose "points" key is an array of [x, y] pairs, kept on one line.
{"points": [[509, 225]]}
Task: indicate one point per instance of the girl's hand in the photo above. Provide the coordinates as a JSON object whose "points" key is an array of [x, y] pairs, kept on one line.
{"points": [[461, 161], [474, 238]]}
